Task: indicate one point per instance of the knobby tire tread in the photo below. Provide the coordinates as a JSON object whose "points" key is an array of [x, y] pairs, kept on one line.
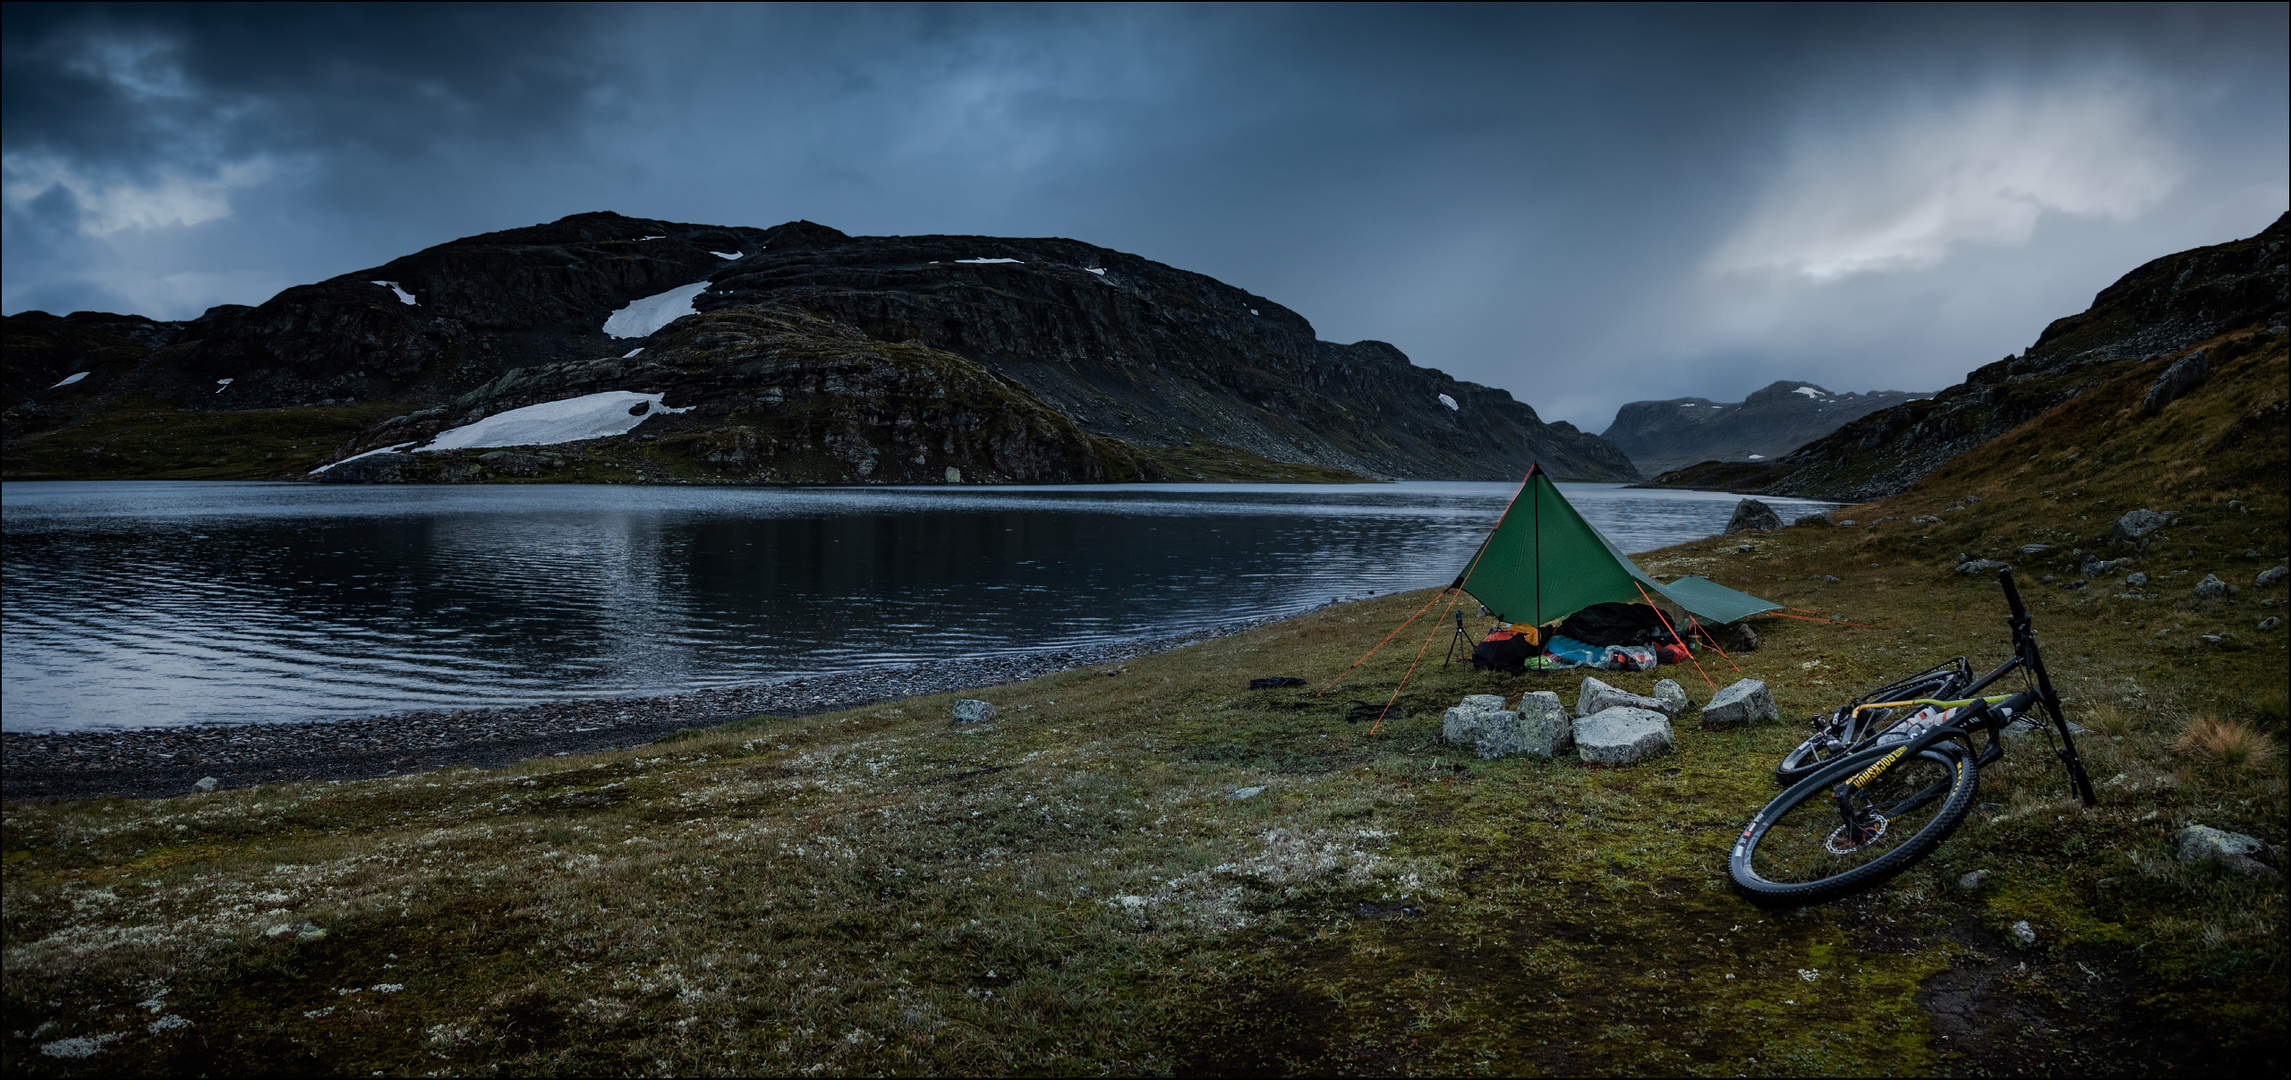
{"points": [[1955, 805]]}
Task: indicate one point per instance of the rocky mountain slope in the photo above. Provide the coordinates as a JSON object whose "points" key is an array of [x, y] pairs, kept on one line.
{"points": [[2150, 318], [806, 356], [1662, 435]]}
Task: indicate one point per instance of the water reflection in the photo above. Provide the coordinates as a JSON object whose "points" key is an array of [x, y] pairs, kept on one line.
{"points": [[134, 604]]}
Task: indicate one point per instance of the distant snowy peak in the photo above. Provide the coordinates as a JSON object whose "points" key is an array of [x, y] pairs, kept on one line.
{"points": [[643, 318], [1812, 391], [404, 297]]}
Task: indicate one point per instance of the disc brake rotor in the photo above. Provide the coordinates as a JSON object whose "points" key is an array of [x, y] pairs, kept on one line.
{"points": [[1867, 830]]}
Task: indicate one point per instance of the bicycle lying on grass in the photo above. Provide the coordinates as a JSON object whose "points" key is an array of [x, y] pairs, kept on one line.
{"points": [[1885, 714], [1861, 816]]}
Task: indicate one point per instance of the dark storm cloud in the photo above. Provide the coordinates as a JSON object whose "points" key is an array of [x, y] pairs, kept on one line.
{"points": [[1583, 205]]}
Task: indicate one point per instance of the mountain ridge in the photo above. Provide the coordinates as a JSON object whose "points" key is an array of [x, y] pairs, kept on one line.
{"points": [[1767, 423], [1110, 366]]}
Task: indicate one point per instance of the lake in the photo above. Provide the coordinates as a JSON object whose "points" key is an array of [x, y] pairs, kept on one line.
{"points": [[136, 604]]}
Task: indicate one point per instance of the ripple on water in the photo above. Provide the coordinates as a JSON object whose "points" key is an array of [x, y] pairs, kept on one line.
{"points": [[141, 604]]}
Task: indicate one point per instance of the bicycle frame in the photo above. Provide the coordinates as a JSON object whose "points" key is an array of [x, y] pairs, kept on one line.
{"points": [[1983, 714]]}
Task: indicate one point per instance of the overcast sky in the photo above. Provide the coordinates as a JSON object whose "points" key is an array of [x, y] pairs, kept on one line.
{"points": [[1584, 206]]}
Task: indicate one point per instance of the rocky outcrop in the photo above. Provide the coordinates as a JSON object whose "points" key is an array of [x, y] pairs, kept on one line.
{"points": [[1664, 435], [811, 354], [2157, 310]]}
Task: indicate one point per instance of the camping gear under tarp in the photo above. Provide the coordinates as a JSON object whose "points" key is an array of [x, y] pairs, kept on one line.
{"points": [[1544, 562], [1614, 624]]}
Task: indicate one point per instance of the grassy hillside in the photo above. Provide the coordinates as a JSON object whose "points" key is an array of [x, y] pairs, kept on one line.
{"points": [[1075, 885]]}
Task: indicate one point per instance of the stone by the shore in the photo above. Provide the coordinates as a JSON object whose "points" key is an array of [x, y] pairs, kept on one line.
{"points": [[2202, 843], [1622, 736], [1596, 696], [1670, 693], [973, 711], [1745, 702], [1750, 515], [1547, 730]]}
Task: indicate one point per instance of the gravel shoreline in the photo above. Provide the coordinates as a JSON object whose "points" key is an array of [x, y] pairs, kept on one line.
{"points": [[159, 762]]}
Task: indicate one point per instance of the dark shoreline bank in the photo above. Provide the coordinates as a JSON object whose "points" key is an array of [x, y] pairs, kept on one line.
{"points": [[162, 762]]}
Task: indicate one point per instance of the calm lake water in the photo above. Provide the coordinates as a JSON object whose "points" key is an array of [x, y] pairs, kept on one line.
{"points": [[151, 604]]}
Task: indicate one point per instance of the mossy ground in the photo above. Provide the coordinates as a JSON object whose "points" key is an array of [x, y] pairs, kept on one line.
{"points": [[1073, 886]]}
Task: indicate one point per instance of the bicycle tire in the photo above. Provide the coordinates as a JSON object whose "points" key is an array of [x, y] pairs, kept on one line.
{"points": [[1788, 856]]}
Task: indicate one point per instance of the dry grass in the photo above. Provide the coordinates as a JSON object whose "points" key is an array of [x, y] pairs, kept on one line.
{"points": [[2232, 744]]}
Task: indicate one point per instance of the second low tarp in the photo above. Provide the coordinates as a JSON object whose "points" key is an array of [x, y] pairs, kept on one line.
{"points": [[1544, 562]]}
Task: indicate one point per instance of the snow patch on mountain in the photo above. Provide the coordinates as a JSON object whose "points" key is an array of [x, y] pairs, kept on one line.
{"points": [[590, 416], [71, 378], [983, 262], [1448, 401], [642, 318], [404, 297]]}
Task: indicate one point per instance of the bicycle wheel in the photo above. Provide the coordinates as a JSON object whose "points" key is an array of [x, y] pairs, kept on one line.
{"points": [[1800, 849]]}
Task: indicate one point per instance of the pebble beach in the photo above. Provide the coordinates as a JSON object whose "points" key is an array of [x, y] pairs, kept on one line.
{"points": [[161, 761]]}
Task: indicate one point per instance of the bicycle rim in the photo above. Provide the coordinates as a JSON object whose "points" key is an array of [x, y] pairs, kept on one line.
{"points": [[1801, 850]]}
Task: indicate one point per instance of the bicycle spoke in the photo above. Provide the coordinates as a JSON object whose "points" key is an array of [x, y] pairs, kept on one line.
{"points": [[1813, 840]]}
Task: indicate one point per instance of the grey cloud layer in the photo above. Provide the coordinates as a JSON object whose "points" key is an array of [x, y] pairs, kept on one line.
{"points": [[1585, 206]]}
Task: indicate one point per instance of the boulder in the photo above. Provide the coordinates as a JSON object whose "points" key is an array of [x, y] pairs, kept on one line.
{"points": [[1461, 725], [2271, 575], [2270, 623], [2202, 843], [2136, 578], [2094, 565], [1745, 702], [2211, 585], [2135, 525], [206, 783], [2185, 374], [1546, 729], [1596, 696], [973, 711], [1982, 566], [1750, 515], [1484, 702], [1743, 638], [1670, 693], [1622, 736], [1501, 735]]}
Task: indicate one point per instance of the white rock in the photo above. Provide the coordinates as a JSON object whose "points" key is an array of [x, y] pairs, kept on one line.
{"points": [[973, 711], [2024, 933], [1622, 736], [1500, 735], [1248, 793], [2202, 843], [1597, 696], [1670, 693], [1745, 702], [1546, 729], [1461, 725], [206, 783]]}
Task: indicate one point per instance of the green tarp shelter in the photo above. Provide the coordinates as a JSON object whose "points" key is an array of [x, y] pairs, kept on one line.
{"points": [[1544, 562]]}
